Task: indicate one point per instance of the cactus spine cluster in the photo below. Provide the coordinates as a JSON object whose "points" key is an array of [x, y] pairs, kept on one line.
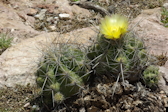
{"points": [[63, 72]]}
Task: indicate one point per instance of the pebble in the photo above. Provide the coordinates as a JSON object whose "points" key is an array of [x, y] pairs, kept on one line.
{"points": [[64, 16], [52, 28], [49, 19], [165, 5], [108, 110], [92, 109], [56, 18], [162, 92], [82, 110], [41, 15], [31, 12], [87, 98], [26, 105]]}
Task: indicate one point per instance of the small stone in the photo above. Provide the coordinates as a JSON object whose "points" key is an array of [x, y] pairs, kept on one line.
{"points": [[108, 110], [56, 18], [55, 22], [64, 16], [35, 107], [92, 109], [162, 92], [31, 12], [15, 6], [52, 28], [165, 5], [87, 98], [111, 9], [137, 102], [49, 19], [41, 15], [163, 79], [102, 89], [126, 105], [128, 110], [117, 88], [165, 102], [26, 105], [105, 2], [82, 110]]}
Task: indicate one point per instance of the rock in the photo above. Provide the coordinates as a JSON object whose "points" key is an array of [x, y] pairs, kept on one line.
{"points": [[82, 13], [163, 80], [30, 21], [49, 19], [82, 110], [102, 89], [31, 12], [50, 7], [20, 62], [35, 108], [166, 64], [41, 15], [52, 28], [137, 102], [108, 110], [148, 27], [165, 5], [117, 89], [103, 2], [87, 98], [26, 105], [64, 7], [92, 109], [64, 16]]}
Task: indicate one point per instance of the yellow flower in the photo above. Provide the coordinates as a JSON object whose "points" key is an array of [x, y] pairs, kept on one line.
{"points": [[113, 26]]}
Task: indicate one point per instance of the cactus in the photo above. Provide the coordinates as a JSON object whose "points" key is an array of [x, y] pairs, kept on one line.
{"points": [[151, 76], [67, 67], [115, 53], [108, 55], [62, 72]]}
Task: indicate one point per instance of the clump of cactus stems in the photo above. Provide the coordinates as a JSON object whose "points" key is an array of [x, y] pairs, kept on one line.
{"points": [[117, 54], [67, 67], [151, 76], [126, 56], [62, 73]]}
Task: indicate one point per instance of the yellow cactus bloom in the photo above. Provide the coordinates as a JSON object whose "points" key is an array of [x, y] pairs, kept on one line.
{"points": [[113, 26]]}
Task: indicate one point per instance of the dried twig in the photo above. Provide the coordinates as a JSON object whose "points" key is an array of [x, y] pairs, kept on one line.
{"points": [[88, 5]]}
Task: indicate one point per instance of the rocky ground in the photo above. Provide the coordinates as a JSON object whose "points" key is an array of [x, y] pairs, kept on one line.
{"points": [[32, 22]]}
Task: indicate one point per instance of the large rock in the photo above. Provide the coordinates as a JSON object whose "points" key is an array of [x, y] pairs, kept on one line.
{"points": [[148, 27], [20, 62]]}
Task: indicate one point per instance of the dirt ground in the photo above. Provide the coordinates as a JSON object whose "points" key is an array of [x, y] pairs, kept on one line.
{"points": [[95, 97]]}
